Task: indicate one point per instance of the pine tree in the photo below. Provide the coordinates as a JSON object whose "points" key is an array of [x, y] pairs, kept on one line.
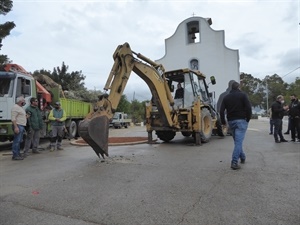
{"points": [[5, 28]]}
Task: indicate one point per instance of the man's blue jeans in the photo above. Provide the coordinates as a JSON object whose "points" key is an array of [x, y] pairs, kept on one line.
{"points": [[239, 128], [17, 141]]}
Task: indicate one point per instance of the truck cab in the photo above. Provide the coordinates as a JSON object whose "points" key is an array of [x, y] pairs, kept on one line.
{"points": [[119, 120], [13, 85]]}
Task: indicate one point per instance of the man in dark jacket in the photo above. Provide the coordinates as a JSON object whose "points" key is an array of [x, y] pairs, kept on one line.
{"points": [[294, 113], [278, 111], [238, 113], [35, 123], [179, 92]]}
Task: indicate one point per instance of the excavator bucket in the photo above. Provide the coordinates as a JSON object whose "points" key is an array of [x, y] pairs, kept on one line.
{"points": [[95, 132]]}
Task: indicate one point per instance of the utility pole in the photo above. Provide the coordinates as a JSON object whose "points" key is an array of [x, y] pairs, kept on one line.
{"points": [[267, 96]]}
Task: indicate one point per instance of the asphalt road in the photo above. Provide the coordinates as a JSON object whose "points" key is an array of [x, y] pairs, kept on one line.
{"points": [[163, 183]]}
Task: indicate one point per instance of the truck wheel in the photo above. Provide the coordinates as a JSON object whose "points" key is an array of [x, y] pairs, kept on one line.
{"points": [[206, 125], [165, 135], [77, 123], [72, 129]]}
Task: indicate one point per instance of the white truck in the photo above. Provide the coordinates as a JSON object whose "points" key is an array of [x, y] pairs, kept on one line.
{"points": [[119, 120], [16, 81]]}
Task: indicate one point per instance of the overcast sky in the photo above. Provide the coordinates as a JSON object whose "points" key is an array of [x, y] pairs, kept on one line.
{"points": [[84, 34]]}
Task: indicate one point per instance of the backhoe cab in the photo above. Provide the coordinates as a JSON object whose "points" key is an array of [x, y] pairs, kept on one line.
{"points": [[192, 114]]}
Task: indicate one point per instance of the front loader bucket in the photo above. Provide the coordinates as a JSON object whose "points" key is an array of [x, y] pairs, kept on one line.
{"points": [[95, 132]]}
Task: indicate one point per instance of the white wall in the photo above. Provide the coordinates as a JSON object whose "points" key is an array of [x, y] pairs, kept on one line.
{"points": [[215, 59]]}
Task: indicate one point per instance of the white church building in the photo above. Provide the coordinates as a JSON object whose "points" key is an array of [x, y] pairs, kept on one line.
{"points": [[196, 45]]}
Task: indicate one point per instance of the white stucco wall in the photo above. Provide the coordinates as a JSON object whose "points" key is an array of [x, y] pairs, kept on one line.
{"points": [[215, 59]]}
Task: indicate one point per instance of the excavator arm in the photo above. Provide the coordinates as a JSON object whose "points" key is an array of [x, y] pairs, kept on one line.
{"points": [[94, 129]]}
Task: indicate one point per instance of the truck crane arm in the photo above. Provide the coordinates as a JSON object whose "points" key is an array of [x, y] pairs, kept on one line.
{"points": [[94, 128]]}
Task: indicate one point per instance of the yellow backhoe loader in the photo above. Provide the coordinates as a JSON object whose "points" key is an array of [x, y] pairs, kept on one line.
{"points": [[190, 114]]}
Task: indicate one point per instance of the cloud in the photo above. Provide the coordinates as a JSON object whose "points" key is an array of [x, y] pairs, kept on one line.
{"points": [[250, 46], [85, 34], [291, 59]]}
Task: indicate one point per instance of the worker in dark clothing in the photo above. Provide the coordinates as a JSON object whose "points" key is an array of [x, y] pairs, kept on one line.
{"points": [[238, 112], [179, 92], [294, 113], [35, 123], [278, 111]]}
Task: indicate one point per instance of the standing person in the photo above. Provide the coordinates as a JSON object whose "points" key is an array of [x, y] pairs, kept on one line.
{"points": [[35, 122], [179, 92], [271, 121], [57, 118], [278, 111], [294, 112], [18, 118], [238, 113]]}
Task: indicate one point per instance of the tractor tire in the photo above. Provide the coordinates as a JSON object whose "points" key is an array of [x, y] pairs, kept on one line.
{"points": [[206, 125], [165, 136]]}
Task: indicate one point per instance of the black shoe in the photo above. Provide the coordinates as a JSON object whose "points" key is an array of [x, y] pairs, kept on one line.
{"points": [[17, 158], [35, 152], [277, 141], [270, 133], [243, 161], [293, 140], [283, 140], [287, 133], [235, 166]]}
